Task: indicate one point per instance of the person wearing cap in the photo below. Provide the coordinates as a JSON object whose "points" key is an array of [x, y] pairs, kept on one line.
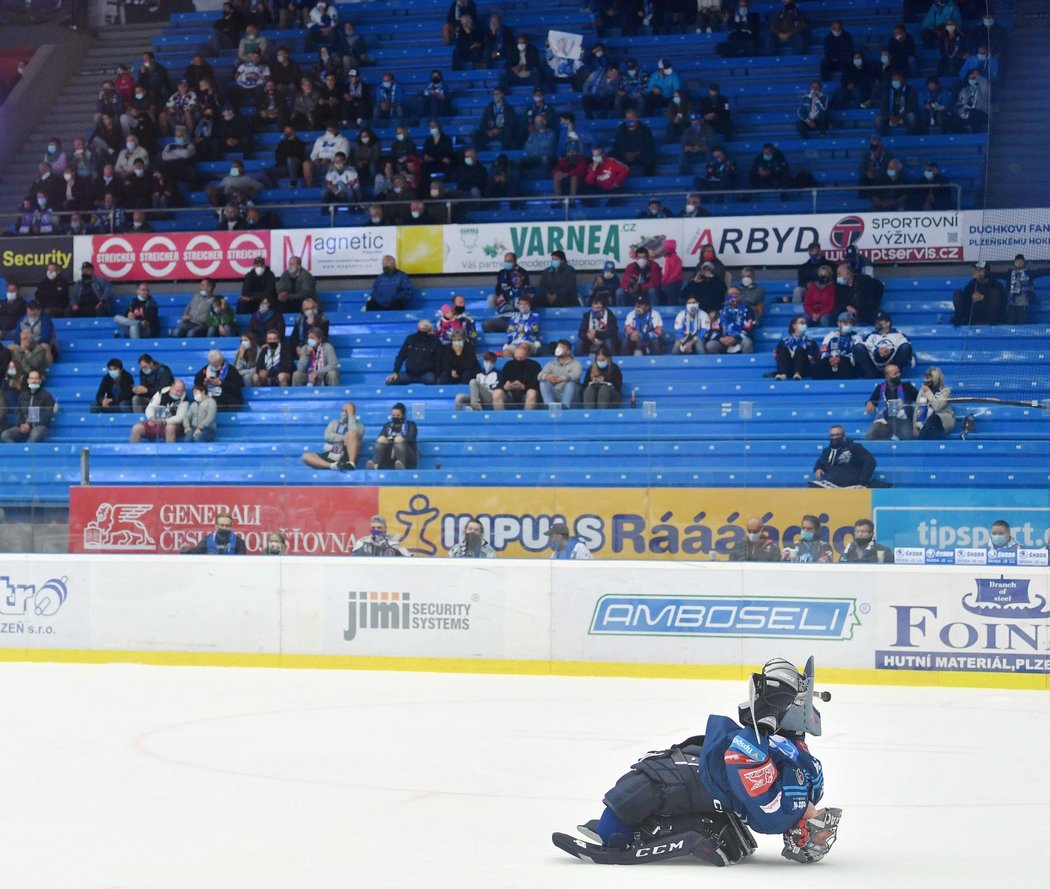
{"points": [[565, 544], [641, 277], [633, 143], [662, 85], [790, 29], [523, 327], [655, 209], [1020, 291], [744, 36], [858, 294], [733, 328], [643, 329], [836, 351], [598, 326], [886, 345], [981, 301], [697, 141]]}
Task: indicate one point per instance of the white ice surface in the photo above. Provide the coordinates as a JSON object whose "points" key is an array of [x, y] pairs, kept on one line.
{"points": [[131, 777]]}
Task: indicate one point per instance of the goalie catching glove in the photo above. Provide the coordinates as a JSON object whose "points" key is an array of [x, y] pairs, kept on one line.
{"points": [[812, 838]]}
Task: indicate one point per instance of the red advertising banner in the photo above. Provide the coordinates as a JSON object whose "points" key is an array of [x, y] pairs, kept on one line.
{"points": [[315, 521], [177, 256]]}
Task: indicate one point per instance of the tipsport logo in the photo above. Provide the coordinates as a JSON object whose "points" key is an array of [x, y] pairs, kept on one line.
{"points": [[24, 605]]}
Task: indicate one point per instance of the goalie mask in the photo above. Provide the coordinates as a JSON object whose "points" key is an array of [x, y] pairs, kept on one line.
{"points": [[770, 695]]}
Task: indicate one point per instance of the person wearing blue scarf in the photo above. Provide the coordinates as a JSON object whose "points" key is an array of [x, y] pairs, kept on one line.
{"points": [[796, 354]]}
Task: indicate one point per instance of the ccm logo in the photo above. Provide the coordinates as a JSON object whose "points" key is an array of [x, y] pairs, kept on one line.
{"points": [[651, 851]]}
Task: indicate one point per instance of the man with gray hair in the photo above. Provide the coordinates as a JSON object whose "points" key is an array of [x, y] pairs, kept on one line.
{"points": [[221, 381], [378, 542], [420, 356], [391, 289]]}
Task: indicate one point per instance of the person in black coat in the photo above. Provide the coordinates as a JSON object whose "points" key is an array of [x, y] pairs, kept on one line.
{"points": [[844, 463], [459, 361], [260, 283], [221, 381], [420, 355], [598, 328], [114, 391]]}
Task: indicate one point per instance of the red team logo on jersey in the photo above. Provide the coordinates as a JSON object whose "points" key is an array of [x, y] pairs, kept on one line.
{"points": [[758, 781], [732, 758]]}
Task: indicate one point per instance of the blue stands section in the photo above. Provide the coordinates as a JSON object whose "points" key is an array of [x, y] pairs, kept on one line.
{"points": [[719, 420], [764, 92]]}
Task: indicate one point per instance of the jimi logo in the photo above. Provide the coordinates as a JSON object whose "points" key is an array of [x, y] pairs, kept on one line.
{"points": [[26, 600], [400, 611]]}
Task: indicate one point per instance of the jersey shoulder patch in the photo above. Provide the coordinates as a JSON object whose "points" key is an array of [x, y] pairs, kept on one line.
{"points": [[740, 743], [785, 746], [757, 781]]}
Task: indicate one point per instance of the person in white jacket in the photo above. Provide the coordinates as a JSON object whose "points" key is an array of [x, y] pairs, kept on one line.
{"points": [[481, 386], [165, 415], [934, 416]]}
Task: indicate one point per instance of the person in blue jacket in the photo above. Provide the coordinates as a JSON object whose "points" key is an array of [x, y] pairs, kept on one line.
{"points": [[701, 797], [223, 541]]}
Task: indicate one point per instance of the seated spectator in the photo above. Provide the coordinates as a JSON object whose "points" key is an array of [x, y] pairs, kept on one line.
{"points": [[221, 318], [678, 115], [901, 49], [469, 50], [342, 442], [566, 545], [38, 324], [34, 413], [886, 345], [873, 163], [744, 37], [789, 29], [396, 445], [604, 284], [274, 360], [838, 51], [560, 378], [981, 301], [223, 541], [837, 350], [28, 355], [503, 181], [936, 193], [378, 543], [719, 175], [972, 106], [264, 319], [732, 330], [571, 168], [940, 12], [290, 160], [257, 285], [458, 361], [231, 220], [808, 547], [141, 318], [420, 355], [818, 302], [540, 145], [523, 327], [987, 66], [318, 363], [323, 27], [661, 87], [194, 320], [757, 545], [934, 417], [858, 294], [558, 283], [1020, 292], [245, 359], [769, 169], [473, 545], [310, 316], [325, 148], [12, 310], [114, 391], [813, 118], [691, 329], [52, 293], [796, 354], [706, 287], [843, 463], [199, 424], [642, 277], [655, 210], [512, 282], [453, 318], [91, 295], [138, 225], [220, 381], [603, 385], [1000, 538], [165, 415], [499, 123], [518, 381], [643, 329], [633, 144], [482, 385], [752, 293], [900, 107], [856, 84], [341, 184], [599, 92], [696, 143], [153, 376], [391, 289], [124, 166], [235, 188], [606, 175], [523, 66], [893, 404], [598, 327], [714, 108], [864, 548]]}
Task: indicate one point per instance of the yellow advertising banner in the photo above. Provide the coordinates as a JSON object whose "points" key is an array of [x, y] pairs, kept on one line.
{"points": [[420, 249], [616, 523]]}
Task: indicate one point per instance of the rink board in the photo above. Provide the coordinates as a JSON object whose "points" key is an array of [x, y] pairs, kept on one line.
{"points": [[915, 625]]}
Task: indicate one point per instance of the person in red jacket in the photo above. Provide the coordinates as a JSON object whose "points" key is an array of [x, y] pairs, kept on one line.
{"points": [[606, 174], [818, 301]]}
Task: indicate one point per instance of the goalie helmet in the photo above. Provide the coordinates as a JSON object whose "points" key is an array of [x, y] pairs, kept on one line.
{"points": [[802, 718], [770, 695]]}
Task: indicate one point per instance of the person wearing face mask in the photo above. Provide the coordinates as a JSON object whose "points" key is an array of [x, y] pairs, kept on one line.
{"points": [[200, 425], [598, 326], [342, 442], [661, 87], [236, 185], [378, 542], [985, 65], [221, 318], [706, 287], [420, 356], [276, 544], [864, 547], [938, 15], [697, 141], [856, 83], [164, 415], [434, 98], [952, 48], [633, 144], [603, 384], [114, 391], [275, 358], [522, 66], [837, 350], [499, 123], [12, 310], [220, 381], [981, 301], [34, 413], [808, 547], [473, 544], [391, 289], [512, 280], [813, 116], [643, 329], [858, 294], [124, 167], [769, 169], [558, 283], [843, 463], [459, 362], [318, 363], [756, 546], [565, 544], [989, 33], [790, 29], [341, 184], [641, 277], [972, 105], [691, 328], [886, 345], [52, 293], [891, 193], [223, 541], [743, 26], [899, 108], [48, 184], [892, 402], [28, 355], [396, 445], [295, 286], [935, 195], [751, 292], [934, 417], [482, 385], [523, 327], [1000, 539], [733, 328], [389, 103], [194, 320], [257, 285], [245, 359], [560, 377], [323, 27], [796, 354], [838, 51]]}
